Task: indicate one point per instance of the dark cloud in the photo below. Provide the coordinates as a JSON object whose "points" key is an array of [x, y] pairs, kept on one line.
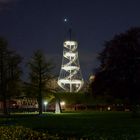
{"points": [[6, 4], [6, 1]]}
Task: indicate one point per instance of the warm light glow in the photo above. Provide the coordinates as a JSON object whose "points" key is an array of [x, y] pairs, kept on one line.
{"points": [[108, 108], [62, 103], [70, 78]]}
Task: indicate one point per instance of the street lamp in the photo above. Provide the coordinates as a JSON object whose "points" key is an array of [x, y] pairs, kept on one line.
{"points": [[62, 105], [45, 104]]}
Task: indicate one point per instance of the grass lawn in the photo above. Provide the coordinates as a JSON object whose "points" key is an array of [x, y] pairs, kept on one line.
{"points": [[81, 124]]}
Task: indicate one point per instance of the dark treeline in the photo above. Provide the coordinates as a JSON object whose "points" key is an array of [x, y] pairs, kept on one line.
{"points": [[9, 73], [11, 84], [119, 73]]}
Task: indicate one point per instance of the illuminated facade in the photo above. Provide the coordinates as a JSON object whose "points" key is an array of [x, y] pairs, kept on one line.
{"points": [[70, 78]]}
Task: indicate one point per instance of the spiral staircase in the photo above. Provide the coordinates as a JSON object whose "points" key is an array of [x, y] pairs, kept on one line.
{"points": [[70, 77]]}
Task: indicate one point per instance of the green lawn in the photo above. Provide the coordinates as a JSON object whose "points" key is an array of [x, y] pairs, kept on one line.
{"points": [[82, 124]]}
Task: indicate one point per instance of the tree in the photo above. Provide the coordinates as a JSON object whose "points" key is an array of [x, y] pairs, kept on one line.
{"points": [[9, 73], [119, 72], [14, 74], [40, 74]]}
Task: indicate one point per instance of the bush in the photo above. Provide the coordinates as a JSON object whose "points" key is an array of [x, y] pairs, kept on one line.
{"points": [[21, 133]]}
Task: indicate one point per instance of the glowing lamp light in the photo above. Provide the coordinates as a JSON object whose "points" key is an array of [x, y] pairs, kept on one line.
{"points": [[65, 19], [62, 103], [108, 108], [45, 103]]}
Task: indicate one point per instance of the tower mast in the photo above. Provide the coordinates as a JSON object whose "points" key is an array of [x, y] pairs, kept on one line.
{"points": [[70, 78], [70, 31]]}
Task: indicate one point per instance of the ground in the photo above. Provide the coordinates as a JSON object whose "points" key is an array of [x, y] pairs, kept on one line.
{"points": [[81, 124]]}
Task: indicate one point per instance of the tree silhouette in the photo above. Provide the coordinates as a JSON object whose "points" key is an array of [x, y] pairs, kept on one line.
{"points": [[40, 74], [119, 72], [9, 73]]}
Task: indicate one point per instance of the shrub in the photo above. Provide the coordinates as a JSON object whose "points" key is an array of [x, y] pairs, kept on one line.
{"points": [[22, 133]]}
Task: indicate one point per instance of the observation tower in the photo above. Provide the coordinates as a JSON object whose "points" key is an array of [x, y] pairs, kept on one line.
{"points": [[70, 77]]}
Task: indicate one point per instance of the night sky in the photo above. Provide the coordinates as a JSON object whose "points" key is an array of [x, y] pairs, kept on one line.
{"points": [[29, 25]]}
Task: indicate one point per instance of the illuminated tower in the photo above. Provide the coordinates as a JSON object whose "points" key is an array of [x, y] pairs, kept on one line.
{"points": [[70, 78]]}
